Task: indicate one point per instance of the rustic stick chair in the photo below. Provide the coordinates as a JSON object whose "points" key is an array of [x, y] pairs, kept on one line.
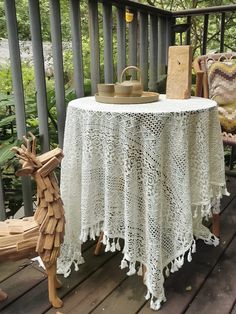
{"points": [[43, 233], [202, 90]]}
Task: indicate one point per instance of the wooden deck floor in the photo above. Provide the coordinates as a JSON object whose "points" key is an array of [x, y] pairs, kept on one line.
{"points": [[207, 285]]}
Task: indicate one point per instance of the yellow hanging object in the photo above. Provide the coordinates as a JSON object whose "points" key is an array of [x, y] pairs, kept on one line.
{"points": [[129, 17]]}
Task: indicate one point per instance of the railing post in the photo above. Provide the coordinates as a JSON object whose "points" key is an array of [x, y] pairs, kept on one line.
{"points": [[17, 80], [121, 39], [163, 44], [107, 31], [153, 53], [144, 48], [222, 32], [55, 23], [172, 35], [77, 47], [204, 37], [94, 45], [132, 51], [14, 50], [35, 26], [188, 35]]}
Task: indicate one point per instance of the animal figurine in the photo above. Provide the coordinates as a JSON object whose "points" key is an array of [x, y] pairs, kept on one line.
{"points": [[43, 233]]}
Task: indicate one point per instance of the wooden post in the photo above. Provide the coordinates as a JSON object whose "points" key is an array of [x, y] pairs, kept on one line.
{"points": [[179, 72]]}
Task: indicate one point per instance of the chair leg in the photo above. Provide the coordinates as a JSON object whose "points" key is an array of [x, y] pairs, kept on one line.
{"points": [[3, 295], [216, 225], [53, 283], [98, 248]]}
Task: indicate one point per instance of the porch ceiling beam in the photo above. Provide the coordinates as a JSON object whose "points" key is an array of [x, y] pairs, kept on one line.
{"points": [[200, 11]]}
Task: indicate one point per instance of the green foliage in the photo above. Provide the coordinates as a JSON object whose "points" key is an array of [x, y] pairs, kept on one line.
{"points": [[13, 200], [5, 79], [6, 153], [22, 12], [3, 31]]}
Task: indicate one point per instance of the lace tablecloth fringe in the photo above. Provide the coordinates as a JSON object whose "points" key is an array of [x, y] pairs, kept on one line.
{"points": [[70, 255], [175, 265], [111, 242], [207, 208]]}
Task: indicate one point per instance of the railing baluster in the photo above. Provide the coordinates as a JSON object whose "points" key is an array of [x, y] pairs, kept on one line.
{"points": [[17, 80], [172, 21], [222, 32], [121, 38], [107, 31], [133, 44], [14, 50], [188, 35], [2, 206], [77, 47], [153, 53], [163, 44], [132, 60], [144, 48], [204, 37], [55, 23], [35, 26], [94, 45]]}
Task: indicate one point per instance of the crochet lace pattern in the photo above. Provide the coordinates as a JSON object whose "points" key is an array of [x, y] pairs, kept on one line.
{"points": [[146, 175]]}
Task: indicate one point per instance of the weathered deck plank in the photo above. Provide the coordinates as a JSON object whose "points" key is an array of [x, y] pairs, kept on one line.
{"points": [[127, 298], [8, 269], [95, 289], [18, 284], [195, 273], [39, 293], [218, 294]]}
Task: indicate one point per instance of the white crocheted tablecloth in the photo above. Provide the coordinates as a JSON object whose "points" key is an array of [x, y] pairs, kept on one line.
{"points": [[146, 173]]}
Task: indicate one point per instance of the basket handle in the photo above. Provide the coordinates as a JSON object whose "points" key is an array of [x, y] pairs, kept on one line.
{"points": [[129, 68]]}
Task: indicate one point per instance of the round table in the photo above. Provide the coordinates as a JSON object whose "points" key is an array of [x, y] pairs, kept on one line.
{"points": [[146, 173]]}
